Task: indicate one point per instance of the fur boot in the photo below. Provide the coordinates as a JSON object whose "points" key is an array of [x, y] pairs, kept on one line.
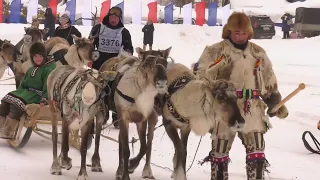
{"points": [[9, 129], [256, 165], [219, 168]]}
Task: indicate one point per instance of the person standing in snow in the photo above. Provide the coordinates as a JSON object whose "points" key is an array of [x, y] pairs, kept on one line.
{"points": [[148, 30], [49, 22], [237, 59], [65, 29], [111, 36], [286, 25]]}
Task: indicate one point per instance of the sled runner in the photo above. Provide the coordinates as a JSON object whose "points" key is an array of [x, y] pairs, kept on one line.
{"points": [[32, 119]]}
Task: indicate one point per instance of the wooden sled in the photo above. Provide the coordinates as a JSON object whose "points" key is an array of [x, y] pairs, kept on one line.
{"points": [[34, 116]]}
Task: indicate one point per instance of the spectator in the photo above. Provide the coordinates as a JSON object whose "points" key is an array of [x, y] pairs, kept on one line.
{"points": [[49, 22], [65, 29], [148, 30]]}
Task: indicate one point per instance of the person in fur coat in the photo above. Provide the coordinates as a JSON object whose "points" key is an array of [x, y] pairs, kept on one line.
{"points": [[32, 90], [237, 59]]}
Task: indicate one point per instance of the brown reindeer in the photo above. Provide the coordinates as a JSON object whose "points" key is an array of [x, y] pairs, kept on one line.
{"points": [[134, 101]]}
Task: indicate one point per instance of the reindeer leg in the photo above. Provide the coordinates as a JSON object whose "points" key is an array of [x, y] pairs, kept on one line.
{"points": [[180, 152], [96, 166], [152, 121], [85, 132], [184, 138], [120, 167], [134, 162], [65, 161], [124, 128], [55, 167]]}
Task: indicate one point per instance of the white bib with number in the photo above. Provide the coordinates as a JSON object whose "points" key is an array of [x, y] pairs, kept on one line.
{"points": [[110, 40]]}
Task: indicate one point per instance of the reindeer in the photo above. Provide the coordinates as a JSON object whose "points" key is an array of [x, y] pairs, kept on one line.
{"points": [[134, 101], [196, 105], [75, 96], [7, 55]]}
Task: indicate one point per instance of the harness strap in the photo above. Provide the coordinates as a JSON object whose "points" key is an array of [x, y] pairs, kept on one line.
{"points": [[307, 145], [59, 56], [128, 98]]}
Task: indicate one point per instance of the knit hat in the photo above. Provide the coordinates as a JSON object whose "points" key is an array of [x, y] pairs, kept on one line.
{"points": [[65, 15], [237, 21], [38, 48]]}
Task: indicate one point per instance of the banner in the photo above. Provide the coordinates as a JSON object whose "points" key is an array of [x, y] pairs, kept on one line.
{"points": [[1, 12], [86, 13], [71, 7], [105, 6], [137, 12], [53, 5], [152, 15], [187, 14], [168, 13], [200, 13], [32, 10], [15, 10], [212, 17], [121, 6]]}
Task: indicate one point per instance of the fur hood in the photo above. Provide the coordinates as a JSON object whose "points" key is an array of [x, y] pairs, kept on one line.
{"points": [[38, 48]]}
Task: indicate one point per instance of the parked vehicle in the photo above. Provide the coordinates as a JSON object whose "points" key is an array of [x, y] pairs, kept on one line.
{"points": [[263, 27], [307, 21]]}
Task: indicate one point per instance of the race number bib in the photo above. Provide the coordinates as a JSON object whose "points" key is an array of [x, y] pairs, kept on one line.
{"points": [[110, 40]]}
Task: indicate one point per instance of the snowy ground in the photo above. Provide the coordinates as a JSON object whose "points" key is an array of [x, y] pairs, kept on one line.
{"points": [[294, 61]]}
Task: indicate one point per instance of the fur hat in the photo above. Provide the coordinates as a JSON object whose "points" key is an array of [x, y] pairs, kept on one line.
{"points": [[38, 48], [237, 20]]}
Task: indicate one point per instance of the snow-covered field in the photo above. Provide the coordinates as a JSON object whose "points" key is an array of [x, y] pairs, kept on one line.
{"points": [[294, 61]]}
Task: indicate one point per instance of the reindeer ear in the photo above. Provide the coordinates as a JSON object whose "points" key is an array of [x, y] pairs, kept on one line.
{"points": [[26, 29], [75, 38], [140, 51], [166, 52], [91, 39]]}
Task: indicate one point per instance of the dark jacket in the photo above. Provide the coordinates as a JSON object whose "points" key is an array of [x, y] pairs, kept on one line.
{"points": [[66, 33], [148, 34], [49, 22], [126, 41], [285, 19]]}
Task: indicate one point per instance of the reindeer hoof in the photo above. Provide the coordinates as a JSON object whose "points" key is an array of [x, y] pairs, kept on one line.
{"points": [[66, 163], [83, 177], [147, 173], [55, 170], [132, 166], [96, 168]]}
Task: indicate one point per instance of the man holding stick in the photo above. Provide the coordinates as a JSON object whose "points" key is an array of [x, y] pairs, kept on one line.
{"points": [[236, 59]]}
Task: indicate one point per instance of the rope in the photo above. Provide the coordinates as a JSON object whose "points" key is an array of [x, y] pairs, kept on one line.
{"points": [[195, 154], [307, 145]]}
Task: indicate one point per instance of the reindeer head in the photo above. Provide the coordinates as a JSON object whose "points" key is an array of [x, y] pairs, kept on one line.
{"points": [[85, 49], [7, 51], [34, 34], [142, 54], [156, 73]]}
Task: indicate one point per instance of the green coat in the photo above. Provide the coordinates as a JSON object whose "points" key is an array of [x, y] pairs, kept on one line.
{"points": [[33, 88]]}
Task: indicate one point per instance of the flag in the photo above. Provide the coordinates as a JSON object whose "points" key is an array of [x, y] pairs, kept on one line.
{"points": [[225, 13], [212, 17], [86, 13], [201, 13], [105, 6], [121, 6], [168, 13], [15, 9], [137, 12], [71, 7], [1, 11], [53, 5], [152, 15], [32, 10], [187, 14]]}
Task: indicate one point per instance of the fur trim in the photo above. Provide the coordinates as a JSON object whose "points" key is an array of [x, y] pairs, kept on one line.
{"points": [[38, 48], [236, 21]]}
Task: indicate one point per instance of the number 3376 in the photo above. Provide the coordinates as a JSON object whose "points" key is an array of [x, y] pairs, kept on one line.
{"points": [[108, 42]]}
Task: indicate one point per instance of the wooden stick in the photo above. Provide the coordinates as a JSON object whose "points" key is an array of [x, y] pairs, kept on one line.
{"points": [[293, 93]]}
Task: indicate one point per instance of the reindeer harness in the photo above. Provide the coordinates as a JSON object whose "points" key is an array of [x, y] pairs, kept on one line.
{"points": [[172, 88], [62, 96]]}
